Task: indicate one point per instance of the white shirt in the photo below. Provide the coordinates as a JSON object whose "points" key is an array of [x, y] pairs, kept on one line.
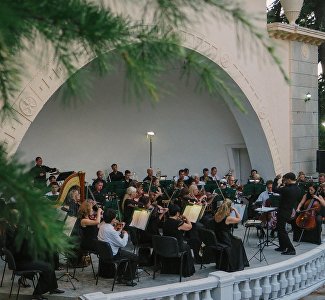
{"points": [[108, 234], [215, 177], [263, 197]]}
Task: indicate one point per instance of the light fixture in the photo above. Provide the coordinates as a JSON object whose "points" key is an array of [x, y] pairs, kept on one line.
{"points": [[150, 134], [307, 97]]}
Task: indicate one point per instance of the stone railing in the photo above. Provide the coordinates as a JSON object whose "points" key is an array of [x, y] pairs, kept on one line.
{"points": [[291, 279]]}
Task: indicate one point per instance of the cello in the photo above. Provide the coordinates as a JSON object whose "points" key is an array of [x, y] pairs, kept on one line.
{"points": [[307, 219]]}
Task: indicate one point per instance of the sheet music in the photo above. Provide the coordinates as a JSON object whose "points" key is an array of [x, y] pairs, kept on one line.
{"points": [[140, 218], [61, 214], [192, 212], [265, 209], [69, 225], [241, 209]]}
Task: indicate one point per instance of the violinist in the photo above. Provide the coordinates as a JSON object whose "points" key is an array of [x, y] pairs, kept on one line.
{"points": [[196, 195], [118, 240], [310, 207], [130, 201], [98, 193], [89, 226], [176, 226], [290, 195], [157, 213], [155, 191]]}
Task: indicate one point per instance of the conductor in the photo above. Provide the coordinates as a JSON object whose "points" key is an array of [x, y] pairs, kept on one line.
{"points": [[290, 196]]}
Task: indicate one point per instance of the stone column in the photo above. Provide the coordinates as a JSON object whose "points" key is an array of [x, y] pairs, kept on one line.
{"points": [[303, 73]]}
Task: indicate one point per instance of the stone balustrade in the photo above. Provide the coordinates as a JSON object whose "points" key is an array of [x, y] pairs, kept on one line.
{"points": [[291, 279]]}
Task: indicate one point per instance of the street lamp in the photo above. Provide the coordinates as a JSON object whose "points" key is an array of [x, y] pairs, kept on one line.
{"points": [[150, 134]]}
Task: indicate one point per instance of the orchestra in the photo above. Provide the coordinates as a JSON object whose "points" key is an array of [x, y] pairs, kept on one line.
{"points": [[107, 209]]}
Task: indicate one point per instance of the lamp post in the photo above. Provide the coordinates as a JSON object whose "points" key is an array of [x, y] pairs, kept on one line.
{"points": [[150, 134]]}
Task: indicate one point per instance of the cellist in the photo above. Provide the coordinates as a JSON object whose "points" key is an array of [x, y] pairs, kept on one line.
{"points": [[310, 206]]}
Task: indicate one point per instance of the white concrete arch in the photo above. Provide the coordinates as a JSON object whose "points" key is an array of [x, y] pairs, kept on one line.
{"points": [[262, 151]]}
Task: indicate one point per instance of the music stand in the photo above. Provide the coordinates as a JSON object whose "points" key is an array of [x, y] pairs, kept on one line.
{"points": [[140, 218], [263, 210], [68, 229], [193, 212], [64, 175]]}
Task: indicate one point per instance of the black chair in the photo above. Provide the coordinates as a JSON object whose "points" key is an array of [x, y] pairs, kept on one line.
{"points": [[12, 266], [2, 255], [105, 255], [167, 246], [211, 247]]}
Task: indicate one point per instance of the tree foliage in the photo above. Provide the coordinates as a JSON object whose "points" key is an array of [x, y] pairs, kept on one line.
{"points": [[61, 25]]}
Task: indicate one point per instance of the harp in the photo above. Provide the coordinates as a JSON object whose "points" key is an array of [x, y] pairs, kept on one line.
{"points": [[75, 179]]}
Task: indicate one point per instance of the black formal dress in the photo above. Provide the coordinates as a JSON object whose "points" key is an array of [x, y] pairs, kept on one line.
{"points": [[236, 259], [88, 238], [171, 265], [128, 208], [310, 236]]}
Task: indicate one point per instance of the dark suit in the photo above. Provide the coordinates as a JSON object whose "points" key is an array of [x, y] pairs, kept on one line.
{"points": [[290, 197]]}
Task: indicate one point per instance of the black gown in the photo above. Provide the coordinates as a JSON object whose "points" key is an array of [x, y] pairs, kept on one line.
{"points": [[88, 238], [311, 236], [171, 265], [236, 259]]}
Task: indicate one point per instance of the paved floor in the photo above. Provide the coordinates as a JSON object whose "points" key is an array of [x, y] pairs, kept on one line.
{"points": [[86, 283]]}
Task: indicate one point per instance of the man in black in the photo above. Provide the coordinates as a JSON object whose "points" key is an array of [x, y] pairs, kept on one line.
{"points": [[38, 172], [127, 178], [100, 177], [290, 197], [115, 175]]}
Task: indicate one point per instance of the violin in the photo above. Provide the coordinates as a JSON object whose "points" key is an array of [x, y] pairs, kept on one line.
{"points": [[118, 226], [307, 218]]}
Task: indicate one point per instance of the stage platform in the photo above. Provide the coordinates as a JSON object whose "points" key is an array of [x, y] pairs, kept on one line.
{"points": [[86, 283]]}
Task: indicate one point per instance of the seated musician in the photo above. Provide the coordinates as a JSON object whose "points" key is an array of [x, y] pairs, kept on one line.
{"points": [[115, 175], [196, 195], [255, 177], [175, 226], [98, 193], [310, 204], [263, 200], [181, 175], [54, 193], [223, 221], [51, 179], [72, 201], [118, 239], [128, 204], [157, 213], [127, 178], [231, 182], [88, 225], [139, 190], [196, 180], [100, 177], [150, 177], [205, 177], [213, 174], [301, 177], [155, 191]]}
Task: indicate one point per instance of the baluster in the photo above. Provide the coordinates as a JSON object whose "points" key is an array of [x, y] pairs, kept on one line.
{"points": [[184, 296], [283, 284], [297, 277], [319, 268], [246, 291], [172, 297], [291, 282], [275, 286], [322, 262], [257, 290], [237, 293], [314, 271], [267, 288], [303, 276], [309, 274], [196, 295], [207, 295]]}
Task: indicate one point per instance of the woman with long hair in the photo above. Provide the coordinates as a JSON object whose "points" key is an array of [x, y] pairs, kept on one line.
{"points": [[223, 221]]}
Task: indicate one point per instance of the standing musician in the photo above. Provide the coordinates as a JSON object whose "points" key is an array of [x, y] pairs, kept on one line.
{"points": [[290, 195], [309, 217], [38, 172]]}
